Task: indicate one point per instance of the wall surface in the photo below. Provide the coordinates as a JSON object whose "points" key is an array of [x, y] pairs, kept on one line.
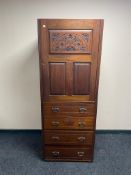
{"points": [[19, 66]]}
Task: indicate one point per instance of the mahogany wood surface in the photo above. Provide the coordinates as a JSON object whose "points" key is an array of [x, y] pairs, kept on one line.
{"points": [[81, 82], [68, 137], [69, 122], [58, 108], [68, 153], [57, 78], [69, 52]]}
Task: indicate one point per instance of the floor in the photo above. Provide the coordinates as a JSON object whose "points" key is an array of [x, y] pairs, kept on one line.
{"points": [[20, 154]]}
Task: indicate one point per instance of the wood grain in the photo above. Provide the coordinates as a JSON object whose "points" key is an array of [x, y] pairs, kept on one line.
{"points": [[69, 137], [69, 52], [81, 78], [68, 153], [72, 108], [57, 78], [69, 122]]}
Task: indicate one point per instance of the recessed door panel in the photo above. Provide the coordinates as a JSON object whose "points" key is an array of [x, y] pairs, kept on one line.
{"points": [[82, 78], [57, 78]]}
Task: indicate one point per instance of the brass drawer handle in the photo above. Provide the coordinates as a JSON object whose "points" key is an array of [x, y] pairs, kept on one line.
{"points": [[55, 109], [55, 124], [81, 139], [55, 153], [81, 154], [55, 138], [81, 124], [82, 109]]}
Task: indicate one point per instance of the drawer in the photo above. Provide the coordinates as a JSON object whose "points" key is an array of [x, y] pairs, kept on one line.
{"points": [[69, 137], [52, 108], [68, 153], [58, 122]]}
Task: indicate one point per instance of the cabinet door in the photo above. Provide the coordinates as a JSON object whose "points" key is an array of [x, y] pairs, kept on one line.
{"points": [[69, 58]]}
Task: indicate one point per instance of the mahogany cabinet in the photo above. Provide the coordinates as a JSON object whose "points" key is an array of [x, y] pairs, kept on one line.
{"points": [[69, 52]]}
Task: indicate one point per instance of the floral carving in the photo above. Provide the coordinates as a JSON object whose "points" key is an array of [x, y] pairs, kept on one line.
{"points": [[67, 41]]}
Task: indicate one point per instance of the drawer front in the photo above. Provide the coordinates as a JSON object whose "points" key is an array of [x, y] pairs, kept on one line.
{"points": [[69, 137], [69, 122], [68, 153], [53, 108]]}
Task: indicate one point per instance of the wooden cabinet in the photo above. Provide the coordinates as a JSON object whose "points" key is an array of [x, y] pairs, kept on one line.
{"points": [[69, 52]]}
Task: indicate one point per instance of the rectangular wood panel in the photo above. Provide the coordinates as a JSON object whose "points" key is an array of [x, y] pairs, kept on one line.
{"points": [[74, 109], [69, 122], [70, 41], [68, 153], [82, 78], [70, 58], [57, 78], [69, 137]]}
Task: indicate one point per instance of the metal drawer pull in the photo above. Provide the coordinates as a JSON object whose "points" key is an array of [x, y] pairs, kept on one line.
{"points": [[55, 124], [55, 138], [81, 139], [81, 154], [81, 124], [55, 109], [55, 153], [82, 109]]}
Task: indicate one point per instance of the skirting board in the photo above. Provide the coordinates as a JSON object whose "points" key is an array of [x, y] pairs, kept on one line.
{"points": [[39, 131]]}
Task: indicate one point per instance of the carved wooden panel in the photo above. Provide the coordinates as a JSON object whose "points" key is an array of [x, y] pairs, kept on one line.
{"points": [[81, 78], [70, 41], [57, 78]]}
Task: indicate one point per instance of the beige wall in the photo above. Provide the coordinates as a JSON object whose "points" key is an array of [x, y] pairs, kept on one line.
{"points": [[19, 71]]}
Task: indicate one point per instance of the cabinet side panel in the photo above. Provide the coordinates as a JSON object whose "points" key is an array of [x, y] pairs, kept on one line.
{"points": [[99, 56]]}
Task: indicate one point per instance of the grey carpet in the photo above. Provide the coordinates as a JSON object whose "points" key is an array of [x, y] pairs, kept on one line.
{"points": [[20, 154]]}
